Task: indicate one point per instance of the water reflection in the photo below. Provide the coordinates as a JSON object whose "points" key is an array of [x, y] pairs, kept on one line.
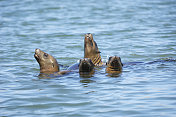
{"points": [[86, 81], [115, 75], [48, 76], [86, 74], [143, 30]]}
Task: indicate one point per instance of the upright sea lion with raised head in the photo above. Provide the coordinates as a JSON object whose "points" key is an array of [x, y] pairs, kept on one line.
{"points": [[114, 65], [48, 64], [91, 50]]}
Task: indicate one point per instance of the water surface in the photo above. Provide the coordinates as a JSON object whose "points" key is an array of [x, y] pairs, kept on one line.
{"points": [[137, 31]]}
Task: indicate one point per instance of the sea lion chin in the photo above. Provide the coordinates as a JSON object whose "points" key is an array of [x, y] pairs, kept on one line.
{"points": [[48, 64]]}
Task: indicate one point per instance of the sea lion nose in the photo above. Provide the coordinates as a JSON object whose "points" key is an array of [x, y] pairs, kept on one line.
{"points": [[37, 50]]}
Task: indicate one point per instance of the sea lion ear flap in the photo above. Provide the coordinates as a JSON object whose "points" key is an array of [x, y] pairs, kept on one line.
{"points": [[121, 62]]}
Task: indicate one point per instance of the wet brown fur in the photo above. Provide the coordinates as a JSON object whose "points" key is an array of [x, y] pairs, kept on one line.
{"points": [[86, 65], [91, 50], [48, 64], [114, 65]]}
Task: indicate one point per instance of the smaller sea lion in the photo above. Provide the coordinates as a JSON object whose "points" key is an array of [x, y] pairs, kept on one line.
{"points": [[91, 50], [86, 65], [114, 65], [48, 64]]}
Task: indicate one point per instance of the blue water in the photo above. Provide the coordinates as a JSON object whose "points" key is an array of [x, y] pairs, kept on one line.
{"points": [[137, 31]]}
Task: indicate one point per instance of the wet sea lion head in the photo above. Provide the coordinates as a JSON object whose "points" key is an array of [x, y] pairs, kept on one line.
{"points": [[90, 46], [86, 65], [48, 63], [91, 49], [114, 64]]}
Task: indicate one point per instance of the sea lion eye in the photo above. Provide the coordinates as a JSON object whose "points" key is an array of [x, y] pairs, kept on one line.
{"points": [[45, 54]]}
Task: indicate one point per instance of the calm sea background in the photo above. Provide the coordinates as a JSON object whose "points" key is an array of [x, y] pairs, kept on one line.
{"points": [[137, 31]]}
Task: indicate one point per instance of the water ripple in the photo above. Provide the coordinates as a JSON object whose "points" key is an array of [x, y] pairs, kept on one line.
{"points": [[140, 31]]}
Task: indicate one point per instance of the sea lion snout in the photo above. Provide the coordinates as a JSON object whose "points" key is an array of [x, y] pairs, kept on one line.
{"points": [[37, 51], [36, 55], [115, 61], [89, 36]]}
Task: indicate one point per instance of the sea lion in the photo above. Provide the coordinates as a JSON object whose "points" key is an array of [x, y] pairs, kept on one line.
{"points": [[91, 50], [48, 64], [114, 65], [86, 67]]}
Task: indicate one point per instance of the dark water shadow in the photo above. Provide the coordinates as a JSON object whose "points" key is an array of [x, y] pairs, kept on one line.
{"points": [[86, 78], [47, 76], [86, 81], [114, 75], [163, 60], [86, 75]]}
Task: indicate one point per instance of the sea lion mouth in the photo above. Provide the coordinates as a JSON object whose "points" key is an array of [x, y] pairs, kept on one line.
{"points": [[36, 56], [115, 65], [115, 69], [85, 68]]}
